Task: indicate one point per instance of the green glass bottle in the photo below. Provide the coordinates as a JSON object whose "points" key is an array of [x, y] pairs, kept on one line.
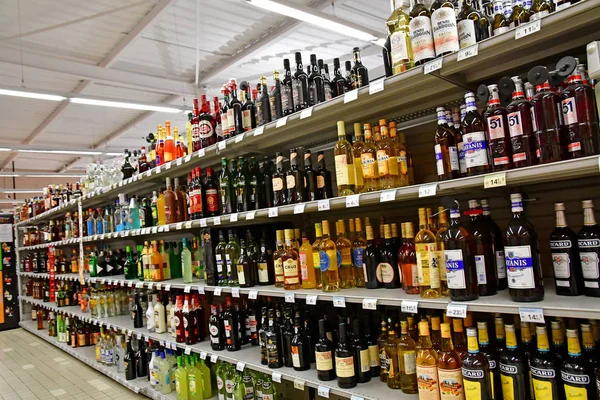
{"points": [[181, 380], [140, 262], [226, 197], [207, 384], [130, 268], [232, 254], [239, 388], [175, 260]]}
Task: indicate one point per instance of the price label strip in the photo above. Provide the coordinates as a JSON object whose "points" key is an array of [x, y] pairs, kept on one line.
{"points": [[323, 391], [528, 29], [456, 310], [535, 315], [299, 208], [218, 291], [299, 384], [235, 292], [281, 122], [273, 212], [240, 366], [432, 66], [276, 377], [387, 195], [214, 358], [233, 217], [259, 131], [409, 306], [253, 294], [369, 304], [350, 96], [428, 190], [323, 205], [377, 86], [468, 52], [353, 200], [306, 113], [311, 299], [494, 180], [290, 298], [339, 301]]}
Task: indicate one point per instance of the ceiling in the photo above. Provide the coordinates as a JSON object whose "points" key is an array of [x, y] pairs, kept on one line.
{"points": [[145, 51]]}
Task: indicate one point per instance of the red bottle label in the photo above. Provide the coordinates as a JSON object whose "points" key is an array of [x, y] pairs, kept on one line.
{"points": [[212, 200]]}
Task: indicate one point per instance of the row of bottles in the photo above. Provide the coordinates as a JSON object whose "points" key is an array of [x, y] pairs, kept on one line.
{"points": [[53, 196]]}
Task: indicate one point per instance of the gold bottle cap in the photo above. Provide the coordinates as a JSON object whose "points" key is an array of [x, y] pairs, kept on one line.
{"points": [[410, 231], [341, 128], [318, 230], [369, 232], [571, 333], [382, 122], [357, 130], [289, 234], [445, 328], [358, 225], [458, 325], [586, 327], [279, 235], [325, 225], [297, 234], [394, 230], [423, 328], [341, 226], [435, 323], [387, 231], [351, 225]]}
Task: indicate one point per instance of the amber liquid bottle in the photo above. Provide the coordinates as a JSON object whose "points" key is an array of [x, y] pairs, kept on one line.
{"points": [[329, 262], [427, 261], [344, 249], [408, 261], [171, 202], [546, 118], [383, 356], [439, 240], [476, 372], [522, 139], [392, 351], [446, 154], [278, 260], [426, 360], [496, 127], [475, 146], [449, 367], [408, 360]]}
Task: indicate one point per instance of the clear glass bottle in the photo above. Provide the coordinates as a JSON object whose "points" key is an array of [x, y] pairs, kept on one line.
{"points": [[399, 31], [344, 163], [426, 362], [291, 264], [328, 260], [344, 250], [427, 261]]}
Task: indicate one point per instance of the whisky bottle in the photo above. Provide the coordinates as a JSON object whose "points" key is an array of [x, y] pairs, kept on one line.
{"points": [[344, 163], [294, 181], [329, 262], [588, 240], [449, 367], [357, 150], [427, 261], [546, 118], [436, 334], [317, 256], [439, 240], [324, 188], [544, 368], [523, 146], [459, 249], [324, 355], [401, 155], [521, 250], [474, 141], [359, 245], [291, 267], [566, 260], [388, 261], [394, 378], [477, 380], [383, 355], [278, 259], [487, 273], [514, 369], [279, 182], [264, 265], [371, 262], [275, 101], [445, 31], [490, 352], [344, 251], [473, 27], [408, 261], [399, 31], [589, 349], [540, 8], [421, 33], [497, 244], [408, 361], [426, 360], [368, 159], [460, 341], [496, 127], [576, 371], [446, 155], [387, 159]]}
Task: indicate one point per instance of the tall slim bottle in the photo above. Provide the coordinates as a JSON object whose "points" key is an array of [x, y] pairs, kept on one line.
{"points": [[439, 240], [357, 150], [408, 260], [449, 368], [344, 250], [344, 360], [328, 261], [523, 144], [566, 260], [399, 31], [427, 261], [421, 33], [487, 273], [446, 154], [344, 163], [546, 118], [475, 144], [359, 245], [498, 136], [477, 381], [514, 368], [426, 360], [497, 244], [577, 372], [307, 269], [388, 265], [443, 24], [588, 241], [473, 27], [545, 369]]}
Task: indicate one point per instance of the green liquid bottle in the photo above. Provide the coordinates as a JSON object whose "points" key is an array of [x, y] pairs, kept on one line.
{"points": [[207, 386], [239, 387], [196, 390], [186, 263]]}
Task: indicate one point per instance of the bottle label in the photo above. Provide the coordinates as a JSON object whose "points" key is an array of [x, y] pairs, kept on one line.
{"points": [[589, 260], [374, 355], [560, 260], [445, 33], [278, 266], [247, 120], [475, 148], [453, 154], [231, 120], [421, 38], [316, 260], [451, 384], [383, 360], [398, 44], [328, 260], [455, 269], [358, 171], [344, 172], [386, 271], [403, 162], [295, 356], [205, 129], [500, 30], [290, 272], [569, 111], [461, 158], [533, 120], [409, 358], [224, 125], [285, 99], [290, 181], [472, 388], [515, 126], [427, 382], [324, 360], [368, 165], [358, 257], [296, 92], [277, 184], [495, 127], [424, 257], [212, 202], [519, 265], [303, 266], [508, 389], [344, 367], [241, 276], [543, 373], [320, 182], [480, 267], [500, 264], [364, 361], [466, 33], [382, 162], [439, 159]]}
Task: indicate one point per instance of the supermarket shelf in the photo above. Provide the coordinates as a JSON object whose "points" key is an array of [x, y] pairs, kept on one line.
{"points": [[43, 275], [50, 214], [249, 355], [88, 356], [67, 242]]}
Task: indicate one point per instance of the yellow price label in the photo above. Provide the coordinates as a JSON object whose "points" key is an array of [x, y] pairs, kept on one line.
{"points": [[494, 180]]}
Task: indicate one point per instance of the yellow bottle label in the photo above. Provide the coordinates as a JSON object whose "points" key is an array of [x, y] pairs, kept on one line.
{"points": [[542, 342], [492, 380], [368, 165], [344, 173], [324, 360], [328, 260], [483, 336], [575, 392], [573, 345], [423, 262], [472, 390], [278, 267], [451, 384], [263, 272], [290, 272], [316, 259], [393, 166], [402, 162], [344, 367], [358, 171], [192, 384], [542, 389], [472, 343], [382, 162], [508, 389], [374, 355], [364, 361], [346, 257], [511, 339], [427, 382], [241, 276]]}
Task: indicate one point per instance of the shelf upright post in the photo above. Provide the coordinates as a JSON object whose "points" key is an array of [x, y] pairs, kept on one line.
{"points": [[80, 238]]}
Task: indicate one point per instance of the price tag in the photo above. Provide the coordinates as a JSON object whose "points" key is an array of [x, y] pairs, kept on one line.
{"points": [[235, 292], [339, 301], [240, 366], [214, 358], [353, 200], [158, 169], [203, 223], [528, 29], [168, 166], [281, 122], [200, 289], [468, 52], [201, 153], [306, 113], [187, 289], [299, 208], [158, 286], [311, 299], [218, 291], [162, 343], [290, 298], [179, 226], [155, 229], [161, 229], [187, 158], [432, 65], [494, 180], [233, 217], [259, 131], [250, 215], [323, 391], [456, 310], [167, 228], [203, 355], [188, 225], [130, 284], [299, 384], [139, 285], [350, 96], [323, 205], [355, 397], [167, 287], [139, 335], [188, 350], [535, 315], [369, 304], [409, 306], [377, 86], [428, 190], [216, 220], [239, 138], [253, 294], [276, 377], [222, 145], [273, 212]]}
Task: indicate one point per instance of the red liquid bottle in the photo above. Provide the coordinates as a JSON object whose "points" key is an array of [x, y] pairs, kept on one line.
{"points": [[520, 128], [546, 118], [580, 116], [179, 325], [217, 117], [206, 125], [496, 128], [194, 316], [196, 144], [188, 321], [200, 322]]}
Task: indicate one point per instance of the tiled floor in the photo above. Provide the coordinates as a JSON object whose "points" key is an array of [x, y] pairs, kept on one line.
{"points": [[32, 369]]}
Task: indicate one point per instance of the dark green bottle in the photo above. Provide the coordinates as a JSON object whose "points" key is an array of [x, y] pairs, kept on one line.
{"points": [[226, 188], [130, 268]]}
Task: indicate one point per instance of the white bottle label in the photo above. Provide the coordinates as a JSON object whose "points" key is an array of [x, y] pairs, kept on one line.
{"points": [[398, 45], [515, 127], [500, 264], [589, 264], [569, 111], [480, 267], [455, 269], [421, 38], [475, 148], [495, 127], [519, 266], [560, 263], [439, 159], [461, 158], [454, 163], [445, 33], [466, 33]]}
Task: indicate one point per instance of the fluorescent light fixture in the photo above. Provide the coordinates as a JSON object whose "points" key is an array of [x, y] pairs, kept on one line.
{"points": [[113, 154], [21, 191], [31, 95], [5, 149], [312, 17], [379, 42], [8, 175], [119, 104], [59, 175], [73, 152]]}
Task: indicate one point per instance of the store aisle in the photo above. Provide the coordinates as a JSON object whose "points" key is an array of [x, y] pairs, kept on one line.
{"points": [[32, 369]]}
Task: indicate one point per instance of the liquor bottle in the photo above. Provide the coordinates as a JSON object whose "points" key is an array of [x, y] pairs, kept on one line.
{"points": [[522, 141], [266, 173], [546, 118], [291, 264], [206, 126], [371, 260], [339, 84], [137, 313], [514, 368], [324, 187], [445, 31], [368, 156], [324, 355], [577, 372], [275, 103], [566, 260], [344, 360], [349, 76], [294, 178], [344, 163], [279, 182], [496, 126], [361, 354], [241, 186], [231, 327], [446, 154], [588, 241], [408, 261], [287, 99], [497, 244], [324, 68], [359, 245], [477, 380], [246, 268], [265, 103], [216, 329], [310, 178], [406, 356], [300, 91], [394, 374], [328, 261], [487, 273], [266, 273], [472, 25], [421, 33], [427, 262], [426, 361], [300, 348], [540, 8], [220, 260], [278, 259], [545, 369], [232, 254], [448, 364], [234, 112], [401, 155], [474, 140], [316, 84], [388, 262], [399, 31], [559, 349], [344, 252], [359, 70], [525, 279], [500, 23], [490, 352], [286, 329], [439, 240], [357, 150], [257, 193], [248, 110]]}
